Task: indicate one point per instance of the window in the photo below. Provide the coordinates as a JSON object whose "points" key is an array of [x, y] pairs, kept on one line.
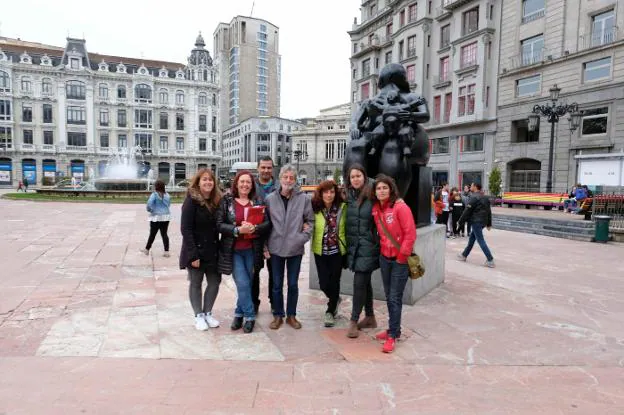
{"points": [[389, 29], [214, 145], [365, 91], [401, 50], [179, 122], [595, 121], [104, 117], [48, 138], [180, 97], [75, 90], [411, 73], [342, 147], [532, 50], [121, 92], [163, 96], [26, 113], [74, 63], [528, 86], [466, 100], [603, 28], [180, 143], [164, 121], [46, 86], [202, 144], [329, 150], [47, 114], [355, 48], [469, 177], [203, 123], [448, 104], [388, 57], [444, 69], [445, 36], [411, 46], [470, 21], [5, 110], [104, 140], [143, 93], [6, 138], [214, 99], [203, 99], [143, 140], [365, 68], [122, 140], [5, 82], [103, 91], [532, 10], [437, 108], [469, 55], [412, 12], [77, 139], [402, 18], [214, 124], [598, 69], [440, 145], [28, 137], [122, 118], [520, 132], [26, 85], [143, 119], [76, 115], [472, 142], [164, 143]]}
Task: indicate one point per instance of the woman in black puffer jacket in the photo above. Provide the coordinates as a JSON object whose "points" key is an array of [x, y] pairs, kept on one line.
{"points": [[362, 248]]}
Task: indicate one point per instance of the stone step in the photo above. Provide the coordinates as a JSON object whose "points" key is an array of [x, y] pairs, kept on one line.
{"points": [[553, 226], [525, 219], [547, 232]]}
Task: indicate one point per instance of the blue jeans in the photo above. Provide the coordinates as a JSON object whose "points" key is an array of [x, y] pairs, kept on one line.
{"points": [[293, 265], [394, 277], [243, 262], [477, 234]]}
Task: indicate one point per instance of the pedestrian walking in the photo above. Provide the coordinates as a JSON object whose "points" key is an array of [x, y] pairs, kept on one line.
{"points": [[159, 216]]}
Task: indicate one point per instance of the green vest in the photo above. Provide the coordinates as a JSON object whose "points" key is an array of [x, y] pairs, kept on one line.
{"points": [[319, 230]]}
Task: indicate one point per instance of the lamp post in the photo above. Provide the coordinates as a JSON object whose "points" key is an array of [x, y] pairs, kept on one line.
{"points": [[299, 155], [552, 113]]}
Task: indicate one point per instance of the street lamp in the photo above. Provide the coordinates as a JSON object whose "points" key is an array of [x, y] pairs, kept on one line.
{"points": [[299, 155], [552, 113]]}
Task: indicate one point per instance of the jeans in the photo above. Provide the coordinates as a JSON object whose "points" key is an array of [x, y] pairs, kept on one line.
{"points": [[196, 279], [255, 288], [362, 295], [242, 272], [477, 234], [154, 228], [567, 203], [394, 277], [329, 269], [292, 264]]}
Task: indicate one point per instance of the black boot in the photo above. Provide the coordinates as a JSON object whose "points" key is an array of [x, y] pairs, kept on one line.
{"points": [[249, 326], [237, 323]]}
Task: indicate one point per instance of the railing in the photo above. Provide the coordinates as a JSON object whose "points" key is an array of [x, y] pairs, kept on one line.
{"points": [[610, 205], [411, 52], [533, 16], [81, 149], [48, 148], [466, 30], [441, 79], [468, 64], [27, 147], [599, 38]]}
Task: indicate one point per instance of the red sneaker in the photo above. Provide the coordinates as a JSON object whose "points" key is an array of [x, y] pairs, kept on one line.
{"points": [[388, 346], [382, 335]]}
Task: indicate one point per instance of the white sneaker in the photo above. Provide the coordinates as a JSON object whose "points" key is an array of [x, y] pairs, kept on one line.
{"points": [[211, 321], [145, 251], [200, 322]]}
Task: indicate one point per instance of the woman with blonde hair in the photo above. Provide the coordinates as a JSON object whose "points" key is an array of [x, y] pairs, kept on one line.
{"points": [[200, 239]]}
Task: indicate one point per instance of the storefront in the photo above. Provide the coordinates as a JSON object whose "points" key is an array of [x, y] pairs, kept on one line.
{"points": [[29, 171], [49, 171], [77, 169], [6, 166]]}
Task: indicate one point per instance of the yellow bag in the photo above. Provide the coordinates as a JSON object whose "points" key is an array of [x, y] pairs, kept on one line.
{"points": [[415, 265]]}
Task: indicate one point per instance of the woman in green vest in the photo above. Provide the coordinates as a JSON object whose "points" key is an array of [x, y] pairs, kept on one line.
{"points": [[329, 243]]}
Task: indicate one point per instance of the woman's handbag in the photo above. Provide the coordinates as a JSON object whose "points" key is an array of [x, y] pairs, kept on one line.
{"points": [[415, 265]]}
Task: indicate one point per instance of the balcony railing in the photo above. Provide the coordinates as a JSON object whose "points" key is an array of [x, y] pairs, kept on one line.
{"points": [[78, 149], [440, 81], [468, 63], [453, 4], [600, 38], [468, 29], [27, 147], [48, 148], [411, 52], [533, 16]]}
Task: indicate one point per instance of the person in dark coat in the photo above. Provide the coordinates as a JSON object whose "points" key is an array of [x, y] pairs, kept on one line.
{"points": [[362, 248], [200, 245], [457, 208], [239, 255], [479, 213]]}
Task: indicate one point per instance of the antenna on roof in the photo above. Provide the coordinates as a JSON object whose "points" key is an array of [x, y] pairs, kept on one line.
{"points": [[252, 7]]}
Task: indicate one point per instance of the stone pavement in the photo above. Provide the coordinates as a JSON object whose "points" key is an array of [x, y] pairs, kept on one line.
{"points": [[90, 325]]}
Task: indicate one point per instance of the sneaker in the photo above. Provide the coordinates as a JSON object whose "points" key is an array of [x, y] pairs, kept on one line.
{"points": [[388, 346], [382, 335], [200, 322], [211, 321], [166, 254], [461, 257], [330, 320], [144, 251], [490, 264]]}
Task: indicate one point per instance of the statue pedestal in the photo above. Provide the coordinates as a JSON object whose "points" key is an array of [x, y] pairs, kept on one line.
{"points": [[430, 246]]}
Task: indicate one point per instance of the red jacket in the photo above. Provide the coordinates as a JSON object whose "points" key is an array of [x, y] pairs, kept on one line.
{"points": [[400, 224]]}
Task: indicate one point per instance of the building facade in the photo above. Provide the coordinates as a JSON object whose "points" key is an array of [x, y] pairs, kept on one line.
{"points": [[579, 46], [256, 137], [247, 55], [63, 111], [449, 50], [319, 148]]}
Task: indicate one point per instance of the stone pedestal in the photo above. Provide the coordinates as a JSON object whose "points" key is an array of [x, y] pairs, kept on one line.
{"points": [[430, 246]]}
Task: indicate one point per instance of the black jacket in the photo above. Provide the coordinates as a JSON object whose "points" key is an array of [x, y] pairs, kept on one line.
{"points": [[458, 207], [199, 231], [477, 211], [362, 238], [226, 222]]}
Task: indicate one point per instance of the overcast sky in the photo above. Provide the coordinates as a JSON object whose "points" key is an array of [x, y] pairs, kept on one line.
{"points": [[314, 43]]}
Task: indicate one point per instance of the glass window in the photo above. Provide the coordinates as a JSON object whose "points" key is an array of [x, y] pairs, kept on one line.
{"points": [[469, 177], [26, 113], [472, 142], [203, 123], [598, 69], [164, 121], [595, 121], [603, 28], [121, 92], [180, 97], [76, 115], [46, 86], [445, 36], [28, 136], [520, 132], [122, 140], [47, 113], [528, 86], [77, 139], [440, 145], [75, 90], [48, 138], [104, 140], [26, 85], [532, 10], [163, 96], [5, 82], [143, 119], [122, 118], [143, 93], [104, 117], [469, 55], [180, 122], [103, 91], [202, 144], [164, 143], [532, 50], [179, 143], [470, 21], [203, 99]]}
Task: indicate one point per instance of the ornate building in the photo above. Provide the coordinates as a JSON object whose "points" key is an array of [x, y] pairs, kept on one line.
{"points": [[64, 110]]}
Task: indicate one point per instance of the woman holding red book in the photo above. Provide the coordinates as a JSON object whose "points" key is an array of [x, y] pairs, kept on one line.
{"points": [[240, 251]]}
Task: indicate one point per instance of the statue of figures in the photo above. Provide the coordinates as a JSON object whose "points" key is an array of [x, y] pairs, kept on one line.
{"points": [[150, 178], [386, 137]]}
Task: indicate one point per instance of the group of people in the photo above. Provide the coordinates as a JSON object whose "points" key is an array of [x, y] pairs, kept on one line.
{"points": [[574, 202], [364, 227]]}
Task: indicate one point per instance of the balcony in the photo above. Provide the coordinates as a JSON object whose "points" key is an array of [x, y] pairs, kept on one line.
{"points": [[600, 38], [454, 4], [529, 58], [48, 148], [533, 16], [442, 13], [411, 53], [76, 149], [441, 81], [468, 29], [27, 147]]}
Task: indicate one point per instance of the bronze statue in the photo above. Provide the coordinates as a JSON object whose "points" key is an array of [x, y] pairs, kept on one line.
{"points": [[386, 137]]}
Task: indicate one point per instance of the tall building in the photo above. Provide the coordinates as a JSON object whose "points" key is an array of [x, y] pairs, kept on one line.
{"points": [[319, 147], [448, 48], [247, 55], [63, 110], [579, 46]]}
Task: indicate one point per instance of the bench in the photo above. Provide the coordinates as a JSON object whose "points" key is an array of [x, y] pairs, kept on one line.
{"points": [[529, 199], [586, 207]]}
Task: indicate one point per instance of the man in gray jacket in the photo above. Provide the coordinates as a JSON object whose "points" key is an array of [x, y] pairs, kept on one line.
{"points": [[292, 219]]}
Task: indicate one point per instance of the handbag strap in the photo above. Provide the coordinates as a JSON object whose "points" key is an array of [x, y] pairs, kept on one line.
{"points": [[385, 230]]}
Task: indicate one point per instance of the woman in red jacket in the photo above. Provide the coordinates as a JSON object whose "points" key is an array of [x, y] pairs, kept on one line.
{"points": [[397, 232]]}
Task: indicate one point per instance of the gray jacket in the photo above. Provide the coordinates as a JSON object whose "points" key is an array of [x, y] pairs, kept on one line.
{"points": [[287, 237]]}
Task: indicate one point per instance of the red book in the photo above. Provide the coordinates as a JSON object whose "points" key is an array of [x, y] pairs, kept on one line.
{"points": [[255, 216]]}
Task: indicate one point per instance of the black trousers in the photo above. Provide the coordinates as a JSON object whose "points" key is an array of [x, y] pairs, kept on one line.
{"points": [[154, 228], [443, 220], [329, 270], [362, 295], [255, 286], [456, 228]]}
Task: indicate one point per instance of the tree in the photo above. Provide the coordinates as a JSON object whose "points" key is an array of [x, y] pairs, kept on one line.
{"points": [[495, 181], [337, 175]]}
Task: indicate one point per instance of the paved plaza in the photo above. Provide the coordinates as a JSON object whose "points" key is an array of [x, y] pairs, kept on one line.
{"points": [[89, 325]]}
